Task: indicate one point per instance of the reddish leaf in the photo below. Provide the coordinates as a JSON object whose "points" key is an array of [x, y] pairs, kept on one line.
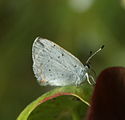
{"points": [[108, 101]]}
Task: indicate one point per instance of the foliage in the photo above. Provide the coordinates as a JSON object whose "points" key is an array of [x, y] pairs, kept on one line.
{"points": [[59, 104]]}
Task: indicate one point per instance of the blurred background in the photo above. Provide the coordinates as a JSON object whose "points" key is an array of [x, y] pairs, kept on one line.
{"points": [[79, 26]]}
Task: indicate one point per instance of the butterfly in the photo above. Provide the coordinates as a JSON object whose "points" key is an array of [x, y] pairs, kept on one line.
{"points": [[54, 66]]}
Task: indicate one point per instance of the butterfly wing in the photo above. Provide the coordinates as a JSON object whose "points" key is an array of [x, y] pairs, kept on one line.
{"points": [[55, 66]]}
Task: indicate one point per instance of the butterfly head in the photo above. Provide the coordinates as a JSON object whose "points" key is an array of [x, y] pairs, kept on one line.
{"points": [[88, 66]]}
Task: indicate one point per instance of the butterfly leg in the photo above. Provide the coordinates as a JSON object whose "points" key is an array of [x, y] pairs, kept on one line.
{"points": [[87, 77], [93, 81], [77, 83]]}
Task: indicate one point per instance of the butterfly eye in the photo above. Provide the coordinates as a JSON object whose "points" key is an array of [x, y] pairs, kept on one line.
{"points": [[88, 66]]}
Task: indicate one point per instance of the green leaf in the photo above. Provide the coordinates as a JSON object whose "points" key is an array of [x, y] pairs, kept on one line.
{"points": [[60, 104]]}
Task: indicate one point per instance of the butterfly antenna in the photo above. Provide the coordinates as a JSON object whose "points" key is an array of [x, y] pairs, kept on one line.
{"points": [[94, 54]]}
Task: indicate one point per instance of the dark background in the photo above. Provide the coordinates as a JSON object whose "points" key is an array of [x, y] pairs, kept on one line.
{"points": [[77, 25]]}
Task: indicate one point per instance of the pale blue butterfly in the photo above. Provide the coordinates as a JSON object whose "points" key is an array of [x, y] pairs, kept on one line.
{"points": [[53, 65]]}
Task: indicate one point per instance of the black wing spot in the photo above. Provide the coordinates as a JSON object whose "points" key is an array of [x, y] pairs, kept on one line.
{"points": [[51, 75], [75, 65], [62, 54], [49, 69]]}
